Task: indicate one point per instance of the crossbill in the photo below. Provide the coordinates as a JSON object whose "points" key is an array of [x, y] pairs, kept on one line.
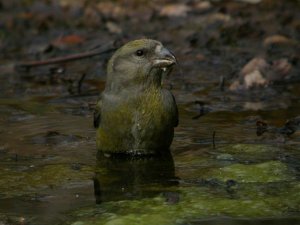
{"points": [[135, 114]]}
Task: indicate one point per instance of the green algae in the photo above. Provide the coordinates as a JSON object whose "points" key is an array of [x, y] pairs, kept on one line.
{"points": [[248, 148], [195, 203], [259, 190], [272, 171], [28, 180], [248, 152]]}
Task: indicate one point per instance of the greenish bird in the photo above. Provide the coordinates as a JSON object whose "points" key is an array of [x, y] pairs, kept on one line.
{"points": [[135, 114]]}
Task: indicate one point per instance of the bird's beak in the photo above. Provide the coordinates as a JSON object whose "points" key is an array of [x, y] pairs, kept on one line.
{"points": [[164, 58]]}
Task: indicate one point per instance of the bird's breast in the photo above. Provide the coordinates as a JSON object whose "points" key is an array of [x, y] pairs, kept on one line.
{"points": [[136, 122]]}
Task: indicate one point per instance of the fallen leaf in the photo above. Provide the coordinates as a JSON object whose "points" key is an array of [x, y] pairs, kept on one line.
{"points": [[250, 1], [282, 66], [259, 73], [200, 57], [216, 18], [203, 5], [261, 127], [256, 63], [254, 106], [254, 78], [72, 39], [235, 86], [113, 27], [92, 17], [27, 15], [175, 10], [110, 10], [289, 128], [277, 39], [68, 3]]}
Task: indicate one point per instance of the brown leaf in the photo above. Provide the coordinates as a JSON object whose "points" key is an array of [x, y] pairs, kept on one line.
{"points": [[113, 27], [175, 10], [277, 39], [254, 78], [203, 5], [256, 63], [65, 41], [250, 1], [110, 10], [92, 17], [282, 66]]}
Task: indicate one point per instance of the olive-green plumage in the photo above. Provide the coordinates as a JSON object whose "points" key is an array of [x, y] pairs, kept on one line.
{"points": [[135, 114]]}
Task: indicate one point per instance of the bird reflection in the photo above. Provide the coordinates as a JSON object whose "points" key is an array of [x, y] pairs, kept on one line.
{"points": [[120, 177]]}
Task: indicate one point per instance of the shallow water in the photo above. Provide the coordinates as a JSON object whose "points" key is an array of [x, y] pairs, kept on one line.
{"points": [[50, 175]]}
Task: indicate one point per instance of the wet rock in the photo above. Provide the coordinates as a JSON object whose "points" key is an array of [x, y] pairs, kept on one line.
{"points": [[76, 166], [281, 67], [225, 157], [3, 148], [172, 197], [290, 127], [4, 220]]}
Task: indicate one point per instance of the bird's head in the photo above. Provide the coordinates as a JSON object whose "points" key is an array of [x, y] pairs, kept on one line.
{"points": [[139, 63]]}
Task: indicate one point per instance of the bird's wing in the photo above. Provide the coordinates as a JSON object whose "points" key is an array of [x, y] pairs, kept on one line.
{"points": [[97, 113], [171, 106], [175, 114]]}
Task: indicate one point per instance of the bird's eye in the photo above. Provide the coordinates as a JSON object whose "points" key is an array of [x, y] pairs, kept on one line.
{"points": [[139, 52]]}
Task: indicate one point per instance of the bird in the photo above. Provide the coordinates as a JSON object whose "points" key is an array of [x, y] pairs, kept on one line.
{"points": [[135, 115]]}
